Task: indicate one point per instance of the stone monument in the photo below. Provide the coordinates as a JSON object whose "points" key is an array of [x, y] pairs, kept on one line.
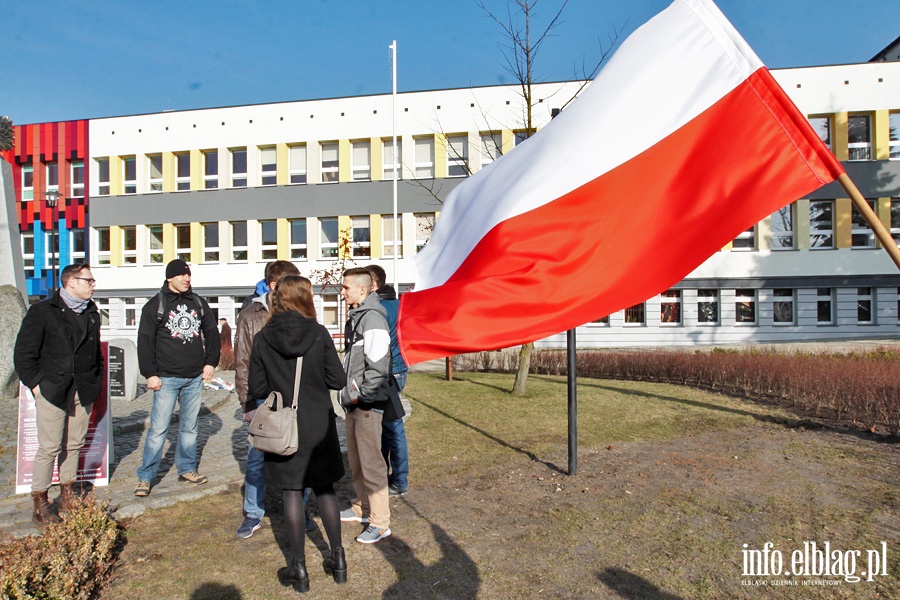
{"points": [[123, 369]]}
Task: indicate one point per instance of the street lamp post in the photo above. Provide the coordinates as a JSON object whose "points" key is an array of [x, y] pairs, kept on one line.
{"points": [[53, 199]]}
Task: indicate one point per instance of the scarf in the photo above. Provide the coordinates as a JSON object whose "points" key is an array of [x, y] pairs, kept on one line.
{"points": [[77, 305]]}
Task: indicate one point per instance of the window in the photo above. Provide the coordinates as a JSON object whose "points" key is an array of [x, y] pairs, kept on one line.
{"points": [[424, 227], [457, 156], [864, 305], [424, 167], [745, 306], [387, 232], [103, 307], [155, 170], [895, 220], [859, 137], [129, 175], [783, 228], [28, 252], [360, 159], [77, 244], [183, 171], [708, 307], [861, 236], [52, 182], [391, 162], [298, 239], [210, 242], [50, 241], [521, 136], [239, 241], [330, 310], [491, 148], [102, 246], [783, 306], [670, 307], [330, 162], [821, 224], [268, 236], [211, 170], [239, 168], [133, 308], [822, 126], [129, 245], [894, 135], [745, 240], [76, 179], [360, 237], [28, 183], [268, 165], [824, 306], [103, 176], [156, 243], [328, 238], [183, 241], [634, 315], [297, 163], [602, 321]]}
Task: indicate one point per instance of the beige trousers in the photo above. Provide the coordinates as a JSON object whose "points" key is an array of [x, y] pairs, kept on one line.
{"points": [[370, 482], [60, 433]]}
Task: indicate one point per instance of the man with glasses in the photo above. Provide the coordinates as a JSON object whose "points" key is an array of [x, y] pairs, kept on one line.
{"points": [[57, 357]]}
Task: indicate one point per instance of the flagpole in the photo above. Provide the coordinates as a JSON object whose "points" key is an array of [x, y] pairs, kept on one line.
{"points": [[394, 156], [573, 402], [881, 232]]}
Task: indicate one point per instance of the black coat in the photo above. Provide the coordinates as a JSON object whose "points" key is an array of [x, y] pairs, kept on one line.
{"points": [[273, 361], [60, 354]]}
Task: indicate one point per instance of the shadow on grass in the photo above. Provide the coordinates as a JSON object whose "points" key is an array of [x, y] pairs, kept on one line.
{"points": [[453, 575], [216, 591], [629, 585], [531, 455]]}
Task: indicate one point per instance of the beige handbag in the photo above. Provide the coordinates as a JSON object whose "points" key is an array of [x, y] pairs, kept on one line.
{"points": [[274, 426]]}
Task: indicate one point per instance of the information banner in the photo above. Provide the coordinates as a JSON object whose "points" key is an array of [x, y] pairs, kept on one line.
{"points": [[93, 463]]}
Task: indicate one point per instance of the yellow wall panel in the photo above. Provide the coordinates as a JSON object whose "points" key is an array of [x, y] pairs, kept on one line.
{"points": [[344, 225], [376, 236], [882, 133], [283, 227], [507, 140], [839, 136], [377, 160], [168, 242], [115, 245], [168, 159], [802, 228], [344, 160], [440, 155], [196, 239], [843, 226], [115, 176], [282, 170], [196, 172]]}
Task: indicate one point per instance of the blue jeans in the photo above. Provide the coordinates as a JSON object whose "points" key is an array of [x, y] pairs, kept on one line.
{"points": [[255, 481], [394, 446], [187, 392]]}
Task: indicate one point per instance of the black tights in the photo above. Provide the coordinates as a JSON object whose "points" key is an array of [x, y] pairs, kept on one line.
{"points": [[295, 518]]}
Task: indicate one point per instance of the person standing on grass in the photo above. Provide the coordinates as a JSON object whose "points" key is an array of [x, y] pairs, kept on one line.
{"points": [[393, 435], [178, 349], [250, 321], [57, 356], [291, 332], [367, 361]]}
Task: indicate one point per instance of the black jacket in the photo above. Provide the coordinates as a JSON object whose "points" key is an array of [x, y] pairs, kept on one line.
{"points": [[60, 351], [273, 361], [172, 345]]}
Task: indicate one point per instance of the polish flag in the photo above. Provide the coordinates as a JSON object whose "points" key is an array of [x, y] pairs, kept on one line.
{"points": [[680, 143]]}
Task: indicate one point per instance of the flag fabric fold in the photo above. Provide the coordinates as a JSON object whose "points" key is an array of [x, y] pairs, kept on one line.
{"points": [[680, 143]]}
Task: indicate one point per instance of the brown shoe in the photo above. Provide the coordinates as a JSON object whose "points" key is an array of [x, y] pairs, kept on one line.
{"points": [[43, 513], [192, 477], [67, 495]]}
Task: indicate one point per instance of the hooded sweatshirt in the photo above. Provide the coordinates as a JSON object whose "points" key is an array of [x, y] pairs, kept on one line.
{"points": [[367, 358], [180, 343], [388, 298]]}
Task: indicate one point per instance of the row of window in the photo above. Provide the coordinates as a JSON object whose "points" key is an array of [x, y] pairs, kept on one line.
{"points": [[358, 240], [783, 308], [859, 135], [51, 179]]}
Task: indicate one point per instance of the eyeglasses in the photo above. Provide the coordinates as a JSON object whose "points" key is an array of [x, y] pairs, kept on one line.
{"points": [[89, 280]]}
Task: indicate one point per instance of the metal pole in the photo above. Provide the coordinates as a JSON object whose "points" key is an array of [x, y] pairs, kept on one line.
{"points": [[395, 158], [573, 403], [52, 250]]}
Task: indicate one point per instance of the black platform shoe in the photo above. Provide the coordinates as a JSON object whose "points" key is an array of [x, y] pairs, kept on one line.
{"points": [[336, 565], [295, 575]]}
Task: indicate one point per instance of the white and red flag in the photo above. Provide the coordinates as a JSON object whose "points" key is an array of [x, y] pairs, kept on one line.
{"points": [[680, 143]]}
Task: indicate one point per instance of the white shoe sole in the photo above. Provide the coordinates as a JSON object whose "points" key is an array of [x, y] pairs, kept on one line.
{"points": [[383, 535]]}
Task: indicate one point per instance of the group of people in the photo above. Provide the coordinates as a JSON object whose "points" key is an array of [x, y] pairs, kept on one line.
{"points": [[57, 356]]}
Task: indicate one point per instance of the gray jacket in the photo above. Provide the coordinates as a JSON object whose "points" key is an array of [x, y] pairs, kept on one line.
{"points": [[367, 355]]}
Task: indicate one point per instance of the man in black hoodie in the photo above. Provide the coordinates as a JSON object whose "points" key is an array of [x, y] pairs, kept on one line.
{"points": [[178, 349]]}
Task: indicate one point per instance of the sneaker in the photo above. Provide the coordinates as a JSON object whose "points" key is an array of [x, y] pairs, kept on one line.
{"points": [[396, 492], [373, 534], [192, 477], [247, 528], [348, 516], [142, 489]]}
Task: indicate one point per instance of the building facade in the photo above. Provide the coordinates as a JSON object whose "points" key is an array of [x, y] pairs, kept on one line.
{"points": [[230, 189]]}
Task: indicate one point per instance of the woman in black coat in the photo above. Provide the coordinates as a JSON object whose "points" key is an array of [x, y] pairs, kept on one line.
{"points": [[292, 331]]}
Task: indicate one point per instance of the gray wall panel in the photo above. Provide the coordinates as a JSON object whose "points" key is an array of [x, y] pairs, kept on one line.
{"points": [[875, 179]]}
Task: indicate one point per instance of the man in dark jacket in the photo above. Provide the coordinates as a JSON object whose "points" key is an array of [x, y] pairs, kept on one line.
{"points": [[178, 349], [393, 435], [57, 356]]}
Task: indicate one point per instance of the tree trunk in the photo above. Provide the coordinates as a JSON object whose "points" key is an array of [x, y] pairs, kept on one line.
{"points": [[519, 387]]}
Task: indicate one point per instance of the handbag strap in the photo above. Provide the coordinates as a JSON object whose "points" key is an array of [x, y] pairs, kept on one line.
{"points": [[297, 381]]}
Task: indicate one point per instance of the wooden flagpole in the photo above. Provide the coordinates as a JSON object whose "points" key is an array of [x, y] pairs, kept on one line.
{"points": [[881, 232]]}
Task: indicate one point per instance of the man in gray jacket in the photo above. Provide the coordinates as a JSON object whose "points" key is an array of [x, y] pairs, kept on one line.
{"points": [[367, 360]]}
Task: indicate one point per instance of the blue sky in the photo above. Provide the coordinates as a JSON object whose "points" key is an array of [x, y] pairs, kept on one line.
{"points": [[78, 59]]}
